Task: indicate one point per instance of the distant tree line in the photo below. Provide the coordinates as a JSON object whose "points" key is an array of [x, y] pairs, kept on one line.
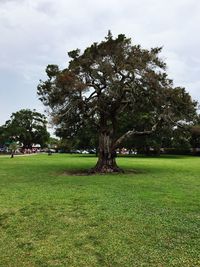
{"points": [[174, 140], [27, 127]]}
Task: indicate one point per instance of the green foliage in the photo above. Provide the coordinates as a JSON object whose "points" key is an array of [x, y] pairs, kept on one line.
{"points": [[3, 135], [13, 148], [28, 127], [147, 217], [86, 138], [195, 138]]}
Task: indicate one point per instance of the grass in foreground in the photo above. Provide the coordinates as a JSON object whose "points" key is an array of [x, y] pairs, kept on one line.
{"points": [[146, 218]]}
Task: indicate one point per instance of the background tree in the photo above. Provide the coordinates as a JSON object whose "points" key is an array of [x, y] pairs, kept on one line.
{"points": [[172, 139], [86, 138], [28, 127], [195, 138], [106, 82], [3, 135], [13, 148], [53, 142]]}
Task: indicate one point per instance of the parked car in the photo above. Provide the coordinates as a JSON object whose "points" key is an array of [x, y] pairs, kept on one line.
{"points": [[84, 152]]}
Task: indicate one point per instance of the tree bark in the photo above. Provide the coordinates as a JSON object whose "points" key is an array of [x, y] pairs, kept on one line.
{"points": [[107, 147], [107, 155]]}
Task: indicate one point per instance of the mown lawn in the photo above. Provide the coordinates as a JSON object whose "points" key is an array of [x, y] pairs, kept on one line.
{"points": [[147, 217]]}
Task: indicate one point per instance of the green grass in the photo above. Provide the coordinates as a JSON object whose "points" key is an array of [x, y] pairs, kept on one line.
{"points": [[149, 217]]}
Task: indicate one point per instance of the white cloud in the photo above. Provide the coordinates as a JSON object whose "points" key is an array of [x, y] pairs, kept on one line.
{"points": [[40, 32]]}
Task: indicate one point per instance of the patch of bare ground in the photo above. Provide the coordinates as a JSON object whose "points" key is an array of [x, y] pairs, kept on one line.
{"points": [[89, 172]]}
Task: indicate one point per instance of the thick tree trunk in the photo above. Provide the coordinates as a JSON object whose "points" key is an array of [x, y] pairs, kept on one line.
{"points": [[107, 156]]}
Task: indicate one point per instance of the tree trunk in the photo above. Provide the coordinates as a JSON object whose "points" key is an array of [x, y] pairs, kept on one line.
{"points": [[158, 150], [12, 154], [194, 151], [107, 156]]}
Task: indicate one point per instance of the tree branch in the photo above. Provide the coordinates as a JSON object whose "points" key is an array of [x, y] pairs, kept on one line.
{"points": [[137, 133]]}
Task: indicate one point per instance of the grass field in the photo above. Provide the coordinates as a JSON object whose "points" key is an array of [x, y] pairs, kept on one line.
{"points": [[147, 217]]}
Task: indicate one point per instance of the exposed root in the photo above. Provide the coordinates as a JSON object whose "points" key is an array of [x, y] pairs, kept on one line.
{"points": [[106, 169]]}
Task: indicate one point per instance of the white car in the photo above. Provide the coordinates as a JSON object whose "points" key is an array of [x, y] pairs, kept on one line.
{"points": [[85, 152]]}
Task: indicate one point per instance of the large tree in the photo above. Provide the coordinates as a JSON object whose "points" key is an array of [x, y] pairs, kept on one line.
{"points": [[27, 127], [108, 82]]}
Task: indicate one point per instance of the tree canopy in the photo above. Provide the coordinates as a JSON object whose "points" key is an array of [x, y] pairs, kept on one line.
{"points": [[27, 127], [117, 89]]}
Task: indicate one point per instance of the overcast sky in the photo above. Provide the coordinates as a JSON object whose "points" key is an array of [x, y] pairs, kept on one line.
{"points": [[35, 33]]}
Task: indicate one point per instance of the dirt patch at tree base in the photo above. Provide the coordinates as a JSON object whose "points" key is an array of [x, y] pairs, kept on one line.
{"points": [[92, 173]]}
